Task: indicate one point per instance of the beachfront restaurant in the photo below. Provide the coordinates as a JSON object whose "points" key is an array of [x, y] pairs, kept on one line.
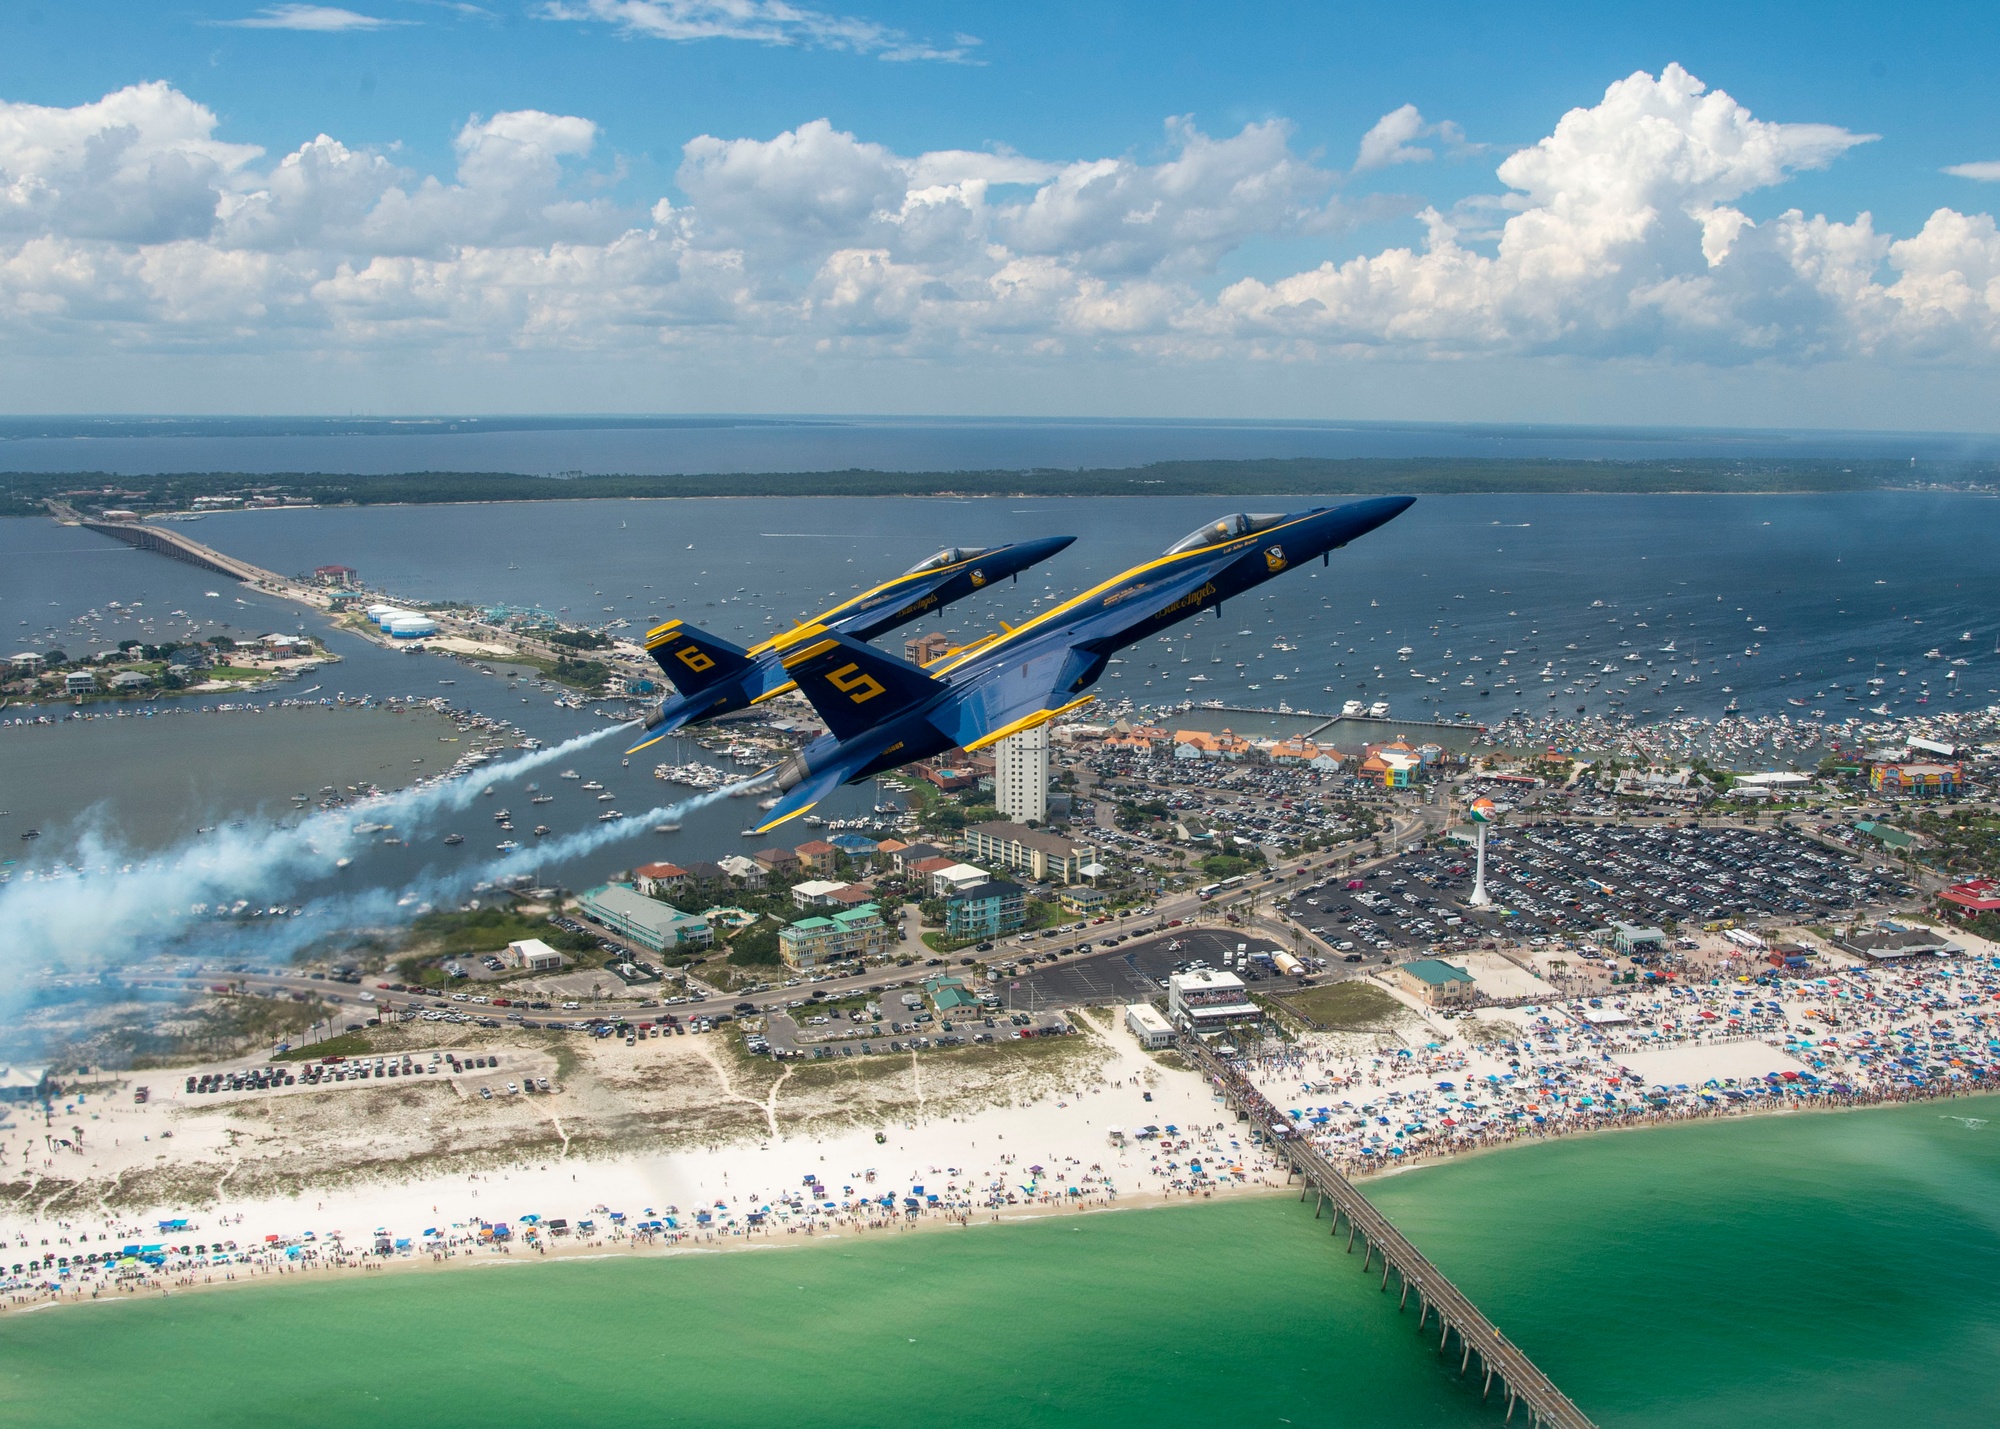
{"points": [[1205, 1000], [1438, 983], [1630, 938]]}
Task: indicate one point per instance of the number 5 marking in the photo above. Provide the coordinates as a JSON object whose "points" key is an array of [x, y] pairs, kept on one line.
{"points": [[858, 687]]}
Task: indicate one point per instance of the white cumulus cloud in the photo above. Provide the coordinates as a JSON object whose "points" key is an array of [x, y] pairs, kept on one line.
{"points": [[1641, 227], [1986, 171]]}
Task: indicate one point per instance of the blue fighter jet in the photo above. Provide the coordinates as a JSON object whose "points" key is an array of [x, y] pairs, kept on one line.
{"points": [[882, 712], [714, 677]]}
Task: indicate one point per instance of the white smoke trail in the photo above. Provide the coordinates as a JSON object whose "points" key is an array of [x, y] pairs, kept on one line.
{"points": [[326, 921], [377, 908], [86, 921]]}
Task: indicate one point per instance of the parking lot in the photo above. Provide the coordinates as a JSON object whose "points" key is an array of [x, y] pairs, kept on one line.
{"points": [[1134, 972], [1555, 880], [820, 1034]]}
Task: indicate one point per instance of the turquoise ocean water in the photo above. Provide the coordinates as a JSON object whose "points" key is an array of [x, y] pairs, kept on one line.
{"points": [[1823, 1271]]}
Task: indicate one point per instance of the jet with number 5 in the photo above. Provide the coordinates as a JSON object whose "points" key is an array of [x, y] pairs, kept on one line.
{"points": [[882, 712], [714, 677]]}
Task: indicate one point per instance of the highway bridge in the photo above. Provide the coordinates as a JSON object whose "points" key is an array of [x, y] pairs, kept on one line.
{"points": [[1503, 1361], [181, 548]]}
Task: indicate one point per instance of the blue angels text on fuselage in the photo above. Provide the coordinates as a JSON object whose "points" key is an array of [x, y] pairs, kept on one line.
{"points": [[882, 712], [714, 677]]}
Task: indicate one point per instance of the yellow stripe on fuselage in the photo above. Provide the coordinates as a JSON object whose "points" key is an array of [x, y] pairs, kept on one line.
{"points": [[799, 657], [1020, 631], [778, 642]]}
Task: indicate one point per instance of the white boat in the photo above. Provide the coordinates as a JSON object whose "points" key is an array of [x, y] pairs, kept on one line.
{"points": [[666, 828], [569, 774], [507, 846], [454, 838]]}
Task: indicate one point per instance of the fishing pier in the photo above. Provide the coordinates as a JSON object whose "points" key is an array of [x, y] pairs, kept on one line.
{"points": [[1524, 1385]]}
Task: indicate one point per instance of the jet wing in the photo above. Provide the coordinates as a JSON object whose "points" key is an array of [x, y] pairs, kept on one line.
{"points": [[801, 797], [1118, 607], [1029, 690]]}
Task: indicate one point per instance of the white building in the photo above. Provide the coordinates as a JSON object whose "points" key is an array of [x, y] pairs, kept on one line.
{"points": [[817, 891], [1204, 1000], [957, 879], [1021, 776], [535, 955], [1145, 1023]]}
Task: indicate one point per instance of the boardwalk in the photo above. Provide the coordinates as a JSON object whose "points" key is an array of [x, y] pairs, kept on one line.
{"points": [[1499, 1358]]}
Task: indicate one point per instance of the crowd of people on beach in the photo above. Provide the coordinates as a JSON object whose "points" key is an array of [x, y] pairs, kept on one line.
{"points": [[1852, 1037]]}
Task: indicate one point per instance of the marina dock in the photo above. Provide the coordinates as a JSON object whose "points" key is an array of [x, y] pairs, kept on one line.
{"points": [[1524, 1385]]}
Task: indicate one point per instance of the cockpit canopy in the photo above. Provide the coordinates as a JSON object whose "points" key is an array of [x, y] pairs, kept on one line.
{"points": [[949, 556], [1227, 529]]}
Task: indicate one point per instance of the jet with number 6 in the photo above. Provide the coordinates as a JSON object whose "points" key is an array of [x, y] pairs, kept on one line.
{"points": [[715, 677], [882, 712]]}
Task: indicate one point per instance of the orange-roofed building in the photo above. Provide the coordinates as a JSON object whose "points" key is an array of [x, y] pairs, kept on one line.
{"points": [[817, 855]]}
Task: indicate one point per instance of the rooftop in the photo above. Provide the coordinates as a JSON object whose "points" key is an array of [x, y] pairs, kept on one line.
{"points": [[1435, 972]]}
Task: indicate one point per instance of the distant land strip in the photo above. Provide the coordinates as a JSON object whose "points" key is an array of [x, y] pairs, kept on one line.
{"points": [[25, 493]]}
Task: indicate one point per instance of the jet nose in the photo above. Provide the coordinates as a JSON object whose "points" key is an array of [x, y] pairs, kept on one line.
{"points": [[1379, 512], [1363, 517], [1041, 550]]}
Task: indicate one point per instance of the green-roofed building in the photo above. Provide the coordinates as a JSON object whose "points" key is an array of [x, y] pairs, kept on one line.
{"points": [[1435, 981], [845, 936], [948, 994], [645, 921]]}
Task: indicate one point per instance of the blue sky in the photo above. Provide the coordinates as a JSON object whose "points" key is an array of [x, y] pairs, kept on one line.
{"points": [[633, 205]]}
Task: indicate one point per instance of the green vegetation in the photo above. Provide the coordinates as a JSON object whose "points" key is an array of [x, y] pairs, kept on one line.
{"points": [[1348, 1006], [583, 674], [347, 1044], [756, 945], [1964, 842], [581, 639], [1227, 865], [436, 936], [485, 930], [230, 1025], [22, 493]]}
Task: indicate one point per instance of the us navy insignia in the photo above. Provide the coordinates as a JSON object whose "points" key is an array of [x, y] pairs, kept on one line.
{"points": [[1274, 557]]}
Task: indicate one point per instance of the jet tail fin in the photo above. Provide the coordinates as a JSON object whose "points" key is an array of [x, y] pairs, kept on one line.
{"points": [[856, 687], [693, 659]]}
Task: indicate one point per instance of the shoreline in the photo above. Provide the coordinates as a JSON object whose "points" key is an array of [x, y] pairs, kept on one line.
{"points": [[626, 1248], [620, 1245]]}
